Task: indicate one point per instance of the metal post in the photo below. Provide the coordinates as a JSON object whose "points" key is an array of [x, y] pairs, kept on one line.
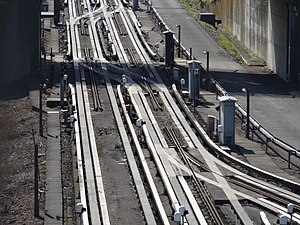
{"points": [[191, 50], [267, 143], [289, 160], [248, 113], [51, 55], [36, 182], [39, 36], [289, 39], [62, 92], [179, 37], [41, 110], [247, 91], [194, 96], [207, 61], [182, 83]]}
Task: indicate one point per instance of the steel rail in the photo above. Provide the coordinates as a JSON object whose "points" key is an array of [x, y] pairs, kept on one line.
{"points": [[153, 99], [242, 214], [214, 147], [269, 194], [144, 42], [139, 47], [200, 187], [120, 25], [146, 86], [156, 152], [94, 90], [143, 162], [93, 194]]}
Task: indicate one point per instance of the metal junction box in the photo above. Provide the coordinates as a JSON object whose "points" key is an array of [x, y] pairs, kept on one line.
{"points": [[194, 79], [226, 129]]}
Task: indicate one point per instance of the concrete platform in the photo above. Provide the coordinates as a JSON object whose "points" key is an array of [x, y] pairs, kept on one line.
{"points": [[53, 192], [54, 204]]}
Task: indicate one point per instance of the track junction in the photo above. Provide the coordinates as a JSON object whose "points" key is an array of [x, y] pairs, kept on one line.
{"points": [[171, 164]]}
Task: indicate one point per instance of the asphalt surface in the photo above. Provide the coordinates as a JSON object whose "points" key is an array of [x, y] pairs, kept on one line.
{"points": [[272, 103]]}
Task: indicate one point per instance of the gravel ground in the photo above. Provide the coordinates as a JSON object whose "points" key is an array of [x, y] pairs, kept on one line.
{"points": [[17, 123], [122, 201]]}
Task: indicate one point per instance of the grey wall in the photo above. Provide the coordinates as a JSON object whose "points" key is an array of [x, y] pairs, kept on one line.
{"points": [[295, 42], [277, 38], [261, 25], [19, 40]]}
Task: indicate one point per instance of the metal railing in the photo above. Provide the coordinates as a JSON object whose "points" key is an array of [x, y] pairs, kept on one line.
{"points": [[241, 113], [255, 126]]}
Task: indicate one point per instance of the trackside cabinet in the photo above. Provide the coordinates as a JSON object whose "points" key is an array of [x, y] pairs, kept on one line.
{"points": [[135, 5], [194, 79], [226, 128], [169, 48]]}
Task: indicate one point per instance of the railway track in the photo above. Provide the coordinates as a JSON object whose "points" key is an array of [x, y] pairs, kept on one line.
{"points": [[199, 186], [149, 183], [153, 99], [138, 57], [97, 105], [119, 24], [176, 207], [92, 219], [131, 53], [271, 194], [92, 194], [239, 165]]}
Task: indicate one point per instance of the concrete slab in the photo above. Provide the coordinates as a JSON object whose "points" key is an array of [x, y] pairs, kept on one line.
{"points": [[53, 205], [55, 40]]}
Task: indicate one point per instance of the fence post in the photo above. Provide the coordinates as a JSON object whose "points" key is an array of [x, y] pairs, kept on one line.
{"points": [[41, 110], [291, 152], [36, 182], [267, 142]]}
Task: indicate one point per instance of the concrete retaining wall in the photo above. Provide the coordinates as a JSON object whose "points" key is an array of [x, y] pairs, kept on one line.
{"points": [[261, 25], [19, 40]]}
